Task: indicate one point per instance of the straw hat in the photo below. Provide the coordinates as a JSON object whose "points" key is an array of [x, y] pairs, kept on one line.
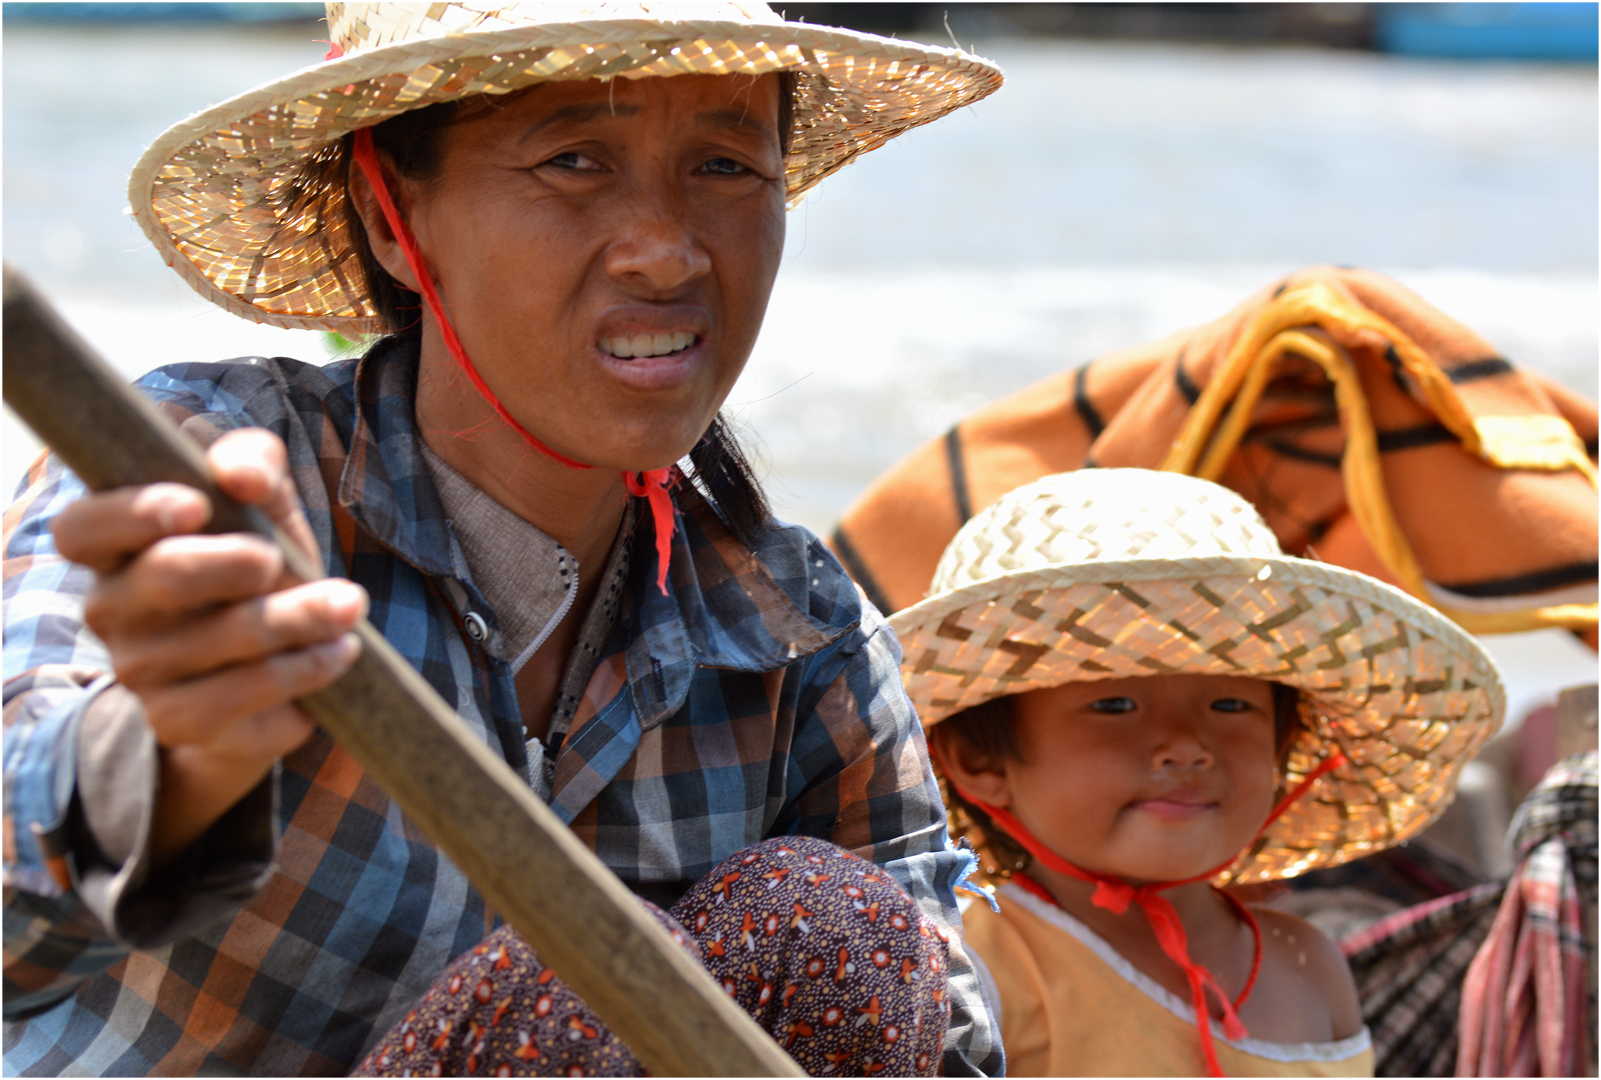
{"points": [[222, 197], [1111, 573]]}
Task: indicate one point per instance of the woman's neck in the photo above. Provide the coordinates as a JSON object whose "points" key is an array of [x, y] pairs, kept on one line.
{"points": [[579, 508]]}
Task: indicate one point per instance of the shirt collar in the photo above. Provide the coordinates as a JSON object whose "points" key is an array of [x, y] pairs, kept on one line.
{"points": [[724, 608], [529, 579], [385, 485]]}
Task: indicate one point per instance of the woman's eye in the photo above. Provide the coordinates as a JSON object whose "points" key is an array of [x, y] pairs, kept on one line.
{"points": [[575, 161], [1231, 704], [1114, 705], [722, 166]]}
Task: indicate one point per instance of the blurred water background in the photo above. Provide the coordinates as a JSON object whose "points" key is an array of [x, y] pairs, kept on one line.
{"points": [[1121, 186]]}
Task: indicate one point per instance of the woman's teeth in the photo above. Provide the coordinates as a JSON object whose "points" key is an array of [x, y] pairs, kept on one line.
{"points": [[625, 348]]}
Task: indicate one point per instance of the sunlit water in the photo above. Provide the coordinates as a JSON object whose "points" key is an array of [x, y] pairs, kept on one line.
{"points": [[1108, 195]]}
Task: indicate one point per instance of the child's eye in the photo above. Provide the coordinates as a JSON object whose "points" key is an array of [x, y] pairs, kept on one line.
{"points": [[1231, 704], [722, 166], [1114, 705]]}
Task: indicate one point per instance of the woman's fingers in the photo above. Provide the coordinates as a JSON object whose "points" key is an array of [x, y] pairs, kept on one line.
{"points": [[179, 577], [103, 531], [227, 711], [240, 633], [252, 466]]}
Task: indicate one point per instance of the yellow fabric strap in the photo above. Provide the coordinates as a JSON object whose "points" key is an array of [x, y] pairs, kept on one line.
{"points": [[1532, 442], [1294, 323]]}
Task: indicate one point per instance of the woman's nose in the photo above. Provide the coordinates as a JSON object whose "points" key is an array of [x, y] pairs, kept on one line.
{"points": [[658, 255]]}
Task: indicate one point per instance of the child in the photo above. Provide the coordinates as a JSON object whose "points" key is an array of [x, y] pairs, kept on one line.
{"points": [[1135, 697]]}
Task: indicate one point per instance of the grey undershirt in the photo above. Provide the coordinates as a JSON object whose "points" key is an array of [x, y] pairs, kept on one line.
{"points": [[529, 580]]}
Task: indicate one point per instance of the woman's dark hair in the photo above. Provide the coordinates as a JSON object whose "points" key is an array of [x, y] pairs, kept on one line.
{"points": [[988, 729], [721, 474]]}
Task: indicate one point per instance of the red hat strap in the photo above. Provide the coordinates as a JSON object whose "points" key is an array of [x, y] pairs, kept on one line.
{"points": [[1319, 771], [652, 484]]}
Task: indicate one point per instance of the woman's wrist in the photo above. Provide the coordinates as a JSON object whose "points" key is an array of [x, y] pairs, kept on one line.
{"points": [[198, 786]]}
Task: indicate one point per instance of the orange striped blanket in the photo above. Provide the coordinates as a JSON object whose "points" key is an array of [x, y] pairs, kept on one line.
{"points": [[1370, 429]]}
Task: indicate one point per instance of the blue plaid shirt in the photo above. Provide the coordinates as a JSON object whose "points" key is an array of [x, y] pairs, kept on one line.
{"points": [[760, 698]]}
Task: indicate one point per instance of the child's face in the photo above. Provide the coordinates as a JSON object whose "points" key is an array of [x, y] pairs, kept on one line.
{"points": [[1151, 779]]}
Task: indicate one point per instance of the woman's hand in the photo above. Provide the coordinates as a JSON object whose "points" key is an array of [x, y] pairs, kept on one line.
{"points": [[207, 630]]}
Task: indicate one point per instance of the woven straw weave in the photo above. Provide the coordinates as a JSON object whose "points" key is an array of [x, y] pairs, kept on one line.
{"points": [[1112, 573], [227, 199], [1052, 524]]}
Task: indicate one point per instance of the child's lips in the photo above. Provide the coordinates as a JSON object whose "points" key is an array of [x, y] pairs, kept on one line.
{"points": [[1177, 806]]}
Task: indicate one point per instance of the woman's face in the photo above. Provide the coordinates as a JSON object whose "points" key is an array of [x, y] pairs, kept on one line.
{"points": [[1150, 779], [605, 251]]}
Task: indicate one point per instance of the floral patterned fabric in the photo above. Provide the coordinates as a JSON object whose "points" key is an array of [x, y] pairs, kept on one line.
{"points": [[822, 948]]}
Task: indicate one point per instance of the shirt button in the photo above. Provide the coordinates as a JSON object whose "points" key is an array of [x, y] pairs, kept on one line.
{"points": [[477, 629]]}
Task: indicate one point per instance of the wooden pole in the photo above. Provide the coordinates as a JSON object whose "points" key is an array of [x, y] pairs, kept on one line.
{"points": [[530, 867]]}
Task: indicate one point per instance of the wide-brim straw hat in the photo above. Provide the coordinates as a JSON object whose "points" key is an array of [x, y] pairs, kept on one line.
{"points": [[1112, 573], [225, 199]]}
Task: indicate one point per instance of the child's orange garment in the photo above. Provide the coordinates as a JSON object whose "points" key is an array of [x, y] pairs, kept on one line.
{"points": [[1069, 1005]]}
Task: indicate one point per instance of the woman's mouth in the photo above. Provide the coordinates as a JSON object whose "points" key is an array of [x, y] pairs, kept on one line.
{"points": [[652, 362], [654, 348], [647, 345]]}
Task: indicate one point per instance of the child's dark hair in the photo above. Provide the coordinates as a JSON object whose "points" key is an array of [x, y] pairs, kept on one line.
{"points": [[722, 475], [988, 729]]}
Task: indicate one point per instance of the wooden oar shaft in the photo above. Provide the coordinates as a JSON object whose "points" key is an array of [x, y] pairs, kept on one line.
{"points": [[527, 865]]}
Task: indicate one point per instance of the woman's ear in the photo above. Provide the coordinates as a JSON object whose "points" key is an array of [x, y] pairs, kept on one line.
{"points": [[979, 774], [380, 237]]}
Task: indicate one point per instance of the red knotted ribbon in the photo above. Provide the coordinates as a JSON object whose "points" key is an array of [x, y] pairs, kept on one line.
{"points": [[652, 484], [1115, 895]]}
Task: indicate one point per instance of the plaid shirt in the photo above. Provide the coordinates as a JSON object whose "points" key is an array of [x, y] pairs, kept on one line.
{"points": [[761, 698]]}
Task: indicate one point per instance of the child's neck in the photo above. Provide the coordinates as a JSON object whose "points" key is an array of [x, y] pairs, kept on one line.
{"points": [[1218, 939]]}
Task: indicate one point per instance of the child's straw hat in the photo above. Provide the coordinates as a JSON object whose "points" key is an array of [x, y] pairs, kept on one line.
{"points": [[226, 200], [1111, 573]]}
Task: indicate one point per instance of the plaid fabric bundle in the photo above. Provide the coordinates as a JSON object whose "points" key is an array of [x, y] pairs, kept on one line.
{"points": [[1491, 981], [1525, 1006], [1408, 969], [761, 698], [1369, 429]]}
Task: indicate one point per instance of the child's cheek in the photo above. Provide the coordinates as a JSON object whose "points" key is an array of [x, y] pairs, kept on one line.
{"points": [[1255, 787]]}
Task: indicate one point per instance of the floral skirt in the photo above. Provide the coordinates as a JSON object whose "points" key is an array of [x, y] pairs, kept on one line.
{"points": [[822, 948]]}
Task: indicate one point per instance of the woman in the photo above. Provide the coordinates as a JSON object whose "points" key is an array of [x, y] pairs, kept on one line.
{"points": [[566, 233]]}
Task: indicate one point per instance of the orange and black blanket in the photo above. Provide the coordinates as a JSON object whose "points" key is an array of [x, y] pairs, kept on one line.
{"points": [[1370, 429]]}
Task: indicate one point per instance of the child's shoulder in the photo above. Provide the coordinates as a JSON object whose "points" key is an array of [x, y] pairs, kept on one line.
{"points": [[1300, 963]]}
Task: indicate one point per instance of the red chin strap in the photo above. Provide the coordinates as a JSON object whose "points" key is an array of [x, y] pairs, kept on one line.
{"points": [[652, 484], [1115, 895]]}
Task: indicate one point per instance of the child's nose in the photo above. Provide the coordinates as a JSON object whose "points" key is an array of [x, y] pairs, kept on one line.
{"points": [[1181, 750]]}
